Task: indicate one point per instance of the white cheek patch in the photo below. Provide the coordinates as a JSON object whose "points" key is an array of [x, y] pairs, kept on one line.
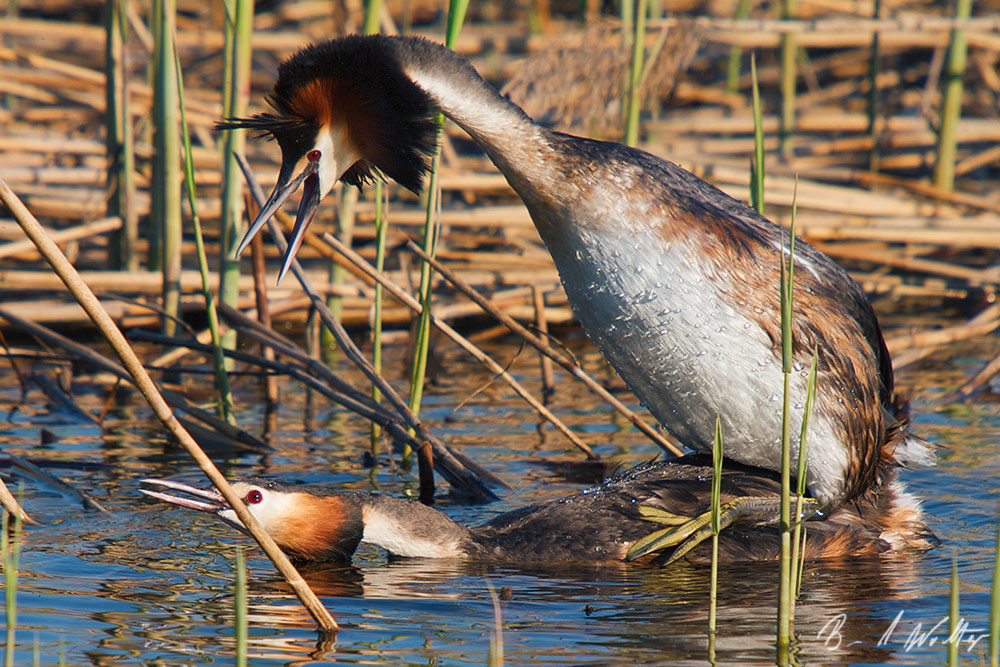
{"points": [[337, 155]]}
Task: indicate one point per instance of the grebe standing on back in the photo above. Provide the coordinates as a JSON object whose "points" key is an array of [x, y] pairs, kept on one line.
{"points": [[675, 281]]}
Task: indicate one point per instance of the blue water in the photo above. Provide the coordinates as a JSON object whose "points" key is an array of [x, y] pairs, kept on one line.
{"points": [[151, 584]]}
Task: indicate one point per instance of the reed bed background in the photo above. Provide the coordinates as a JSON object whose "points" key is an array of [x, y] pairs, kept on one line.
{"points": [[880, 139], [902, 234]]}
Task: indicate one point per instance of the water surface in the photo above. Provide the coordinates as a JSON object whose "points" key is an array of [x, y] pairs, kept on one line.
{"points": [[152, 584]]}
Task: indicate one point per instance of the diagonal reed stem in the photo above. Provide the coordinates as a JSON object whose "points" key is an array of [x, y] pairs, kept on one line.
{"points": [[88, 301]]}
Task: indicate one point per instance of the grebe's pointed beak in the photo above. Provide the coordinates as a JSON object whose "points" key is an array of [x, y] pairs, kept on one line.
{"points": [[308, 205], [283, 189], [215, 505]]}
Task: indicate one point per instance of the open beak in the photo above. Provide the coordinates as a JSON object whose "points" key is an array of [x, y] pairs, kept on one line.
{"points": [[283, 189], [215, 505]]}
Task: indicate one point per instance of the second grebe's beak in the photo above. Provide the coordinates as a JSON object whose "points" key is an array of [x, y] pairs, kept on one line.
{"points": [[308, 178], [215, 505]]}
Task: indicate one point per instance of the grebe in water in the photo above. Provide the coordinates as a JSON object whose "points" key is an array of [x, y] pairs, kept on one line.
{"points": [[312, 522]]}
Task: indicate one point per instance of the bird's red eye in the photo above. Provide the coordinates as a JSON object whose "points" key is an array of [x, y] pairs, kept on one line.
{"points": [[313, 155], [254, 497]]}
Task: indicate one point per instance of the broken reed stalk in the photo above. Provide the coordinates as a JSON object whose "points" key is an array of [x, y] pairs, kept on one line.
{"points": [[240, 439], [118, 138], [951, 106], [30, 468], [166, 170], [88, 301], [10, 504], [559, 356], [224, 403], [10, 554], [238, 17], [316, 376], [464, 343], [457, 471]]}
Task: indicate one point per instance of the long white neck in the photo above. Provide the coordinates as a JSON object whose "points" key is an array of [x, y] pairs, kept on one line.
{"points": [[513, 141], [407, 528]]}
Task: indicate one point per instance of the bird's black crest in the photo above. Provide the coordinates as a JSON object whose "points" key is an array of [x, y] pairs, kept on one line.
{"points": [[358, 80]]}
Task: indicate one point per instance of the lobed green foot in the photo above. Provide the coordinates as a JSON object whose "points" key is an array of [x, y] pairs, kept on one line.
{"points": [[685, 533]]}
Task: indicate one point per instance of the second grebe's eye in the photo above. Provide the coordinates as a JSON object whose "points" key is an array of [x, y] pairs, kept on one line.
{"points": [[313, 155], [254, 497]]}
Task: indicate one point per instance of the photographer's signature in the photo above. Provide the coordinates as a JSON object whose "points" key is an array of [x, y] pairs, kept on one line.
{"points": [[912, 634]]}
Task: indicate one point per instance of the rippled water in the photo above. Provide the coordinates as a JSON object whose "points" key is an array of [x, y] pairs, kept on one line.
{"points": [[151, 584]]}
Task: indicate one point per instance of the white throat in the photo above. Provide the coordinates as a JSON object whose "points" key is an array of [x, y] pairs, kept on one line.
{"points": [[386, 531]]}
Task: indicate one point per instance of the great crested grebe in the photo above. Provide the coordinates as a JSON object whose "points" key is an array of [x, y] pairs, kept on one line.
{"points": [[675, 281], [312, 522]]}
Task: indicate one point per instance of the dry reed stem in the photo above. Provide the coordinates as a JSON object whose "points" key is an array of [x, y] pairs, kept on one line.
{"points": [[162, 410], [9, 503], [464, 343], [28, 466], [459, 471]]}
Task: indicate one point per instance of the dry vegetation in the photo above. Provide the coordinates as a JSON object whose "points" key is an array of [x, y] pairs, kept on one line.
{"points": [[902, 236]]}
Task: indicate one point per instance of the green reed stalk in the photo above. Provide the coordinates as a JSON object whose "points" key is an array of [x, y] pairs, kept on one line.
{"points": [[627, 14], [713, 591], [240, 611], [235, 99], [951, 107], [224, 405], [118, 140], [495, 655], [953, 613], [373, 24], [635, 74], [995, 605], [381, 228], [789, 75], [757, 162], [736, 52], [799, 531], [873, 96], [166, 168], [10, 553], [456, 15], [373, 17], [787, 362]]}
